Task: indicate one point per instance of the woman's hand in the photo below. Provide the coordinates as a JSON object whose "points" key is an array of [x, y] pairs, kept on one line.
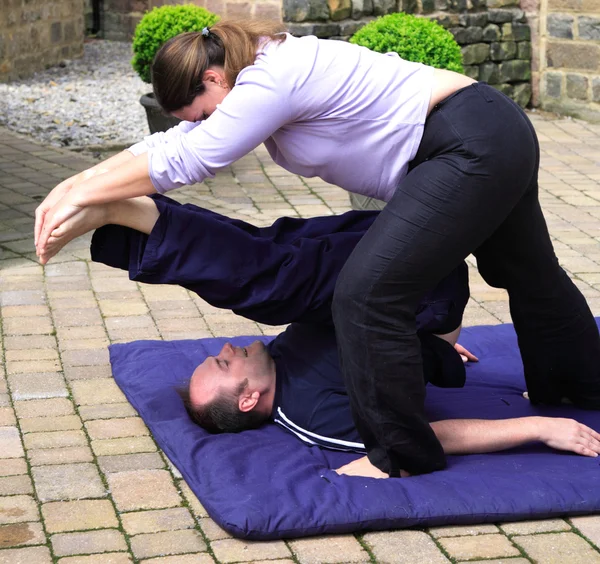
{"points": [[53, 218], [57, 194], [465, 354], [362, 467], [568, 434]]}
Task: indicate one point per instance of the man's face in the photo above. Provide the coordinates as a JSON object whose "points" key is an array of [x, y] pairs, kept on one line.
{"points": [[226, 372]]}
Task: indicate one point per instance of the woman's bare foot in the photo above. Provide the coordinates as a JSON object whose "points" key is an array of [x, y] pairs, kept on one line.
{"points": [[88, 219]]}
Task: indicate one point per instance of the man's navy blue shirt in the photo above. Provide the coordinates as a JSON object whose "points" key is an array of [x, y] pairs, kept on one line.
{"points": [[310, 396]]}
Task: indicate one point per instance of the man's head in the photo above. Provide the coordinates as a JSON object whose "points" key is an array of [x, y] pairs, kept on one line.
{"points": [[234, 390]]}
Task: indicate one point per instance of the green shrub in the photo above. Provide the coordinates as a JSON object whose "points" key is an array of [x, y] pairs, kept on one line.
{"points": [[414, 39], [159, 25]]}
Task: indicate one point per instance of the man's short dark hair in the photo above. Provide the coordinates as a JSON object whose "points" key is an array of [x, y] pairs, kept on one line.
{"points": [[223, 415]]}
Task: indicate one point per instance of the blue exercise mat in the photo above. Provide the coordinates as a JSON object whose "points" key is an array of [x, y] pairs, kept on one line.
{"points": [[266, 484]]}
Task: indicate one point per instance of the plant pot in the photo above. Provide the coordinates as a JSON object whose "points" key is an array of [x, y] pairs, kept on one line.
{"points": [[157, 119]]}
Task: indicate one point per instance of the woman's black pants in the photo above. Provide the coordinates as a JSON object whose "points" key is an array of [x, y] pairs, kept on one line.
{"points": [[472, 188]]}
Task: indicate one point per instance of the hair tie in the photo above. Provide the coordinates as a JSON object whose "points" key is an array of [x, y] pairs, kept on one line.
{"points": [[205, 32]]}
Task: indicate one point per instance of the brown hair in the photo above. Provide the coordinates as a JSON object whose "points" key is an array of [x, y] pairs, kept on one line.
{"points": [[180, 63], [222, 415]]}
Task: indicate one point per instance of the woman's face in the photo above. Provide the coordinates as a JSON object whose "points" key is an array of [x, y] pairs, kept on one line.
{"points": [[216, 88]]}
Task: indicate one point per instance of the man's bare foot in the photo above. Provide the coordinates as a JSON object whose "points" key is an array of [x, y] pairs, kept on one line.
{"points": [[88, 219]]}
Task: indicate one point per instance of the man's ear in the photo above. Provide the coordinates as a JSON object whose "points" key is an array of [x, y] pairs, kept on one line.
{"points": [[247, 402]]}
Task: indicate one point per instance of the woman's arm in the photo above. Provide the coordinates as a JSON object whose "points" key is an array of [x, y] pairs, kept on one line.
{"points": [[66, 185], [128, 179], [472, 436]]}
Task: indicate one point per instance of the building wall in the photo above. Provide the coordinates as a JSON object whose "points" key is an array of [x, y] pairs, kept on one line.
{"points": [[494, 35], [37, 34], [569, 66], [120, 17]]}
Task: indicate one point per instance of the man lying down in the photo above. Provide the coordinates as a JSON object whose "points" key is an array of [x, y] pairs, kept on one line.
{"points": [[281, 274]]}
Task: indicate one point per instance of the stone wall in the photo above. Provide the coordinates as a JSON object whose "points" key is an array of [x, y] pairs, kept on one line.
{"points": [[120, 17], [494, 36], [37, 34], [570, 57]]}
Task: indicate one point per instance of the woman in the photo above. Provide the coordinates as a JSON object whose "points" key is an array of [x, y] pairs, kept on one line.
{"points": [[456, 161]]}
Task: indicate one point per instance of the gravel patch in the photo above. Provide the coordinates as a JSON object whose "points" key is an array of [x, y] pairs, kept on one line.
{"points": [[85, 102]]}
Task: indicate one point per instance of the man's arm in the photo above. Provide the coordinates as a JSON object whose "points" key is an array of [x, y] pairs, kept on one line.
{"points": [[472, 436]]}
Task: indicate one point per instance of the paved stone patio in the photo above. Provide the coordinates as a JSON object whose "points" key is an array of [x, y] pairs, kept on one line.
{"points": [[81, 479]]}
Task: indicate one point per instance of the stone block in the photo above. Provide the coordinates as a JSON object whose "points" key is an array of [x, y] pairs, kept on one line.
{"points": [[156, 521], [126, 445], [350, 27], [500, 16], [65, 544], [577, 86], [479, 20], [17, 509], [56, 32], [118, 558], [106, 411], [144, 489], [21, 534], [596, 90], [40, 408], [361, 8], [489, 72], [67, 481], [475, 54], [235, 550], [10, 443], [589, 28], [13, 467], [339, 9], [383, 7], [15, 485], [507, 32], [168, 542], [38, 386], [533, 527], [515, 71], [54, 439], [573, 56], [428, 6], [503, 50], [467, 35], [60, 423], [304, 10], [522, 94], [563, 547], [521, 32], [116, 428], [404, 547], [502, 3], [524, 50], [480, 546], [53, 456], [30, 555], [472, 72], [327, 549], [491, 32], [560, 25], [94, 392], [64, 516]]}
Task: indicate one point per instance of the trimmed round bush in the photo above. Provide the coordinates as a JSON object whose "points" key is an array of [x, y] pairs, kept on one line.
{"points": [[415, 39], [159, 25]]}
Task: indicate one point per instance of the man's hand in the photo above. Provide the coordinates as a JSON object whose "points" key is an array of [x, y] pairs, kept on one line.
{"points": [[465, 354], [568, 434]]}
